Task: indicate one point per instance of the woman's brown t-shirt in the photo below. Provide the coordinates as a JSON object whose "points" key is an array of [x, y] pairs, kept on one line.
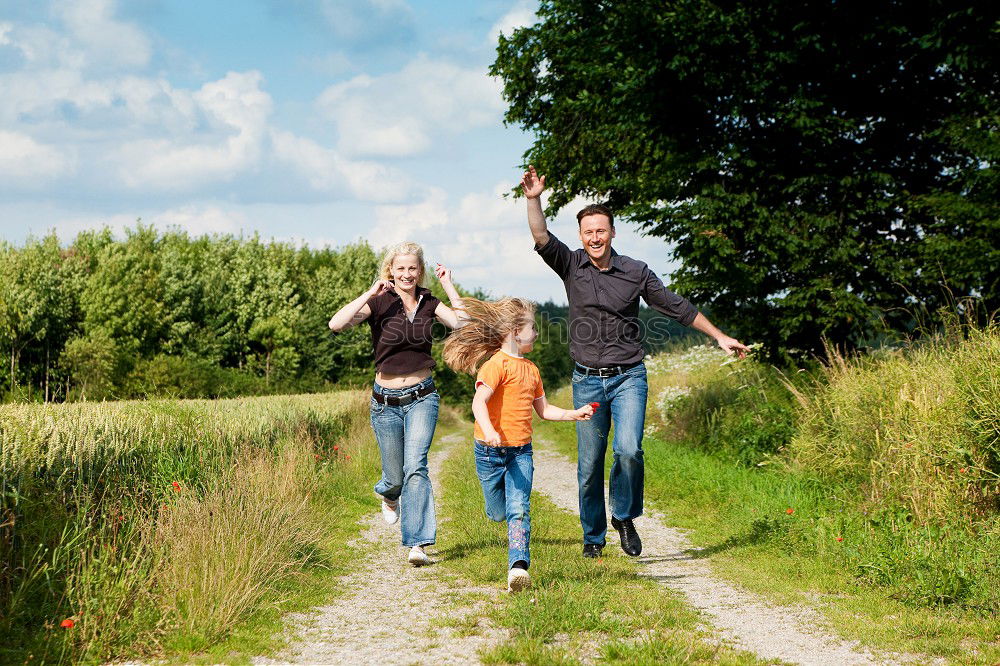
{"points": [[401, 346]]}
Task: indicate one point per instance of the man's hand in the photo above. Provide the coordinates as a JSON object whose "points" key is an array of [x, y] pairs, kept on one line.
{"points": [[532, 184], [732, 346]]}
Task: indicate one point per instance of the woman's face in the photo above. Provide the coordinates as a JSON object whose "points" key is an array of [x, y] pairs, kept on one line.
{"points": [[406, 271]]}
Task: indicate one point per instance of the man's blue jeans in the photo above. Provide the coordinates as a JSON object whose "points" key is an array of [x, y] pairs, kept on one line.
{"points": [[404, 435], [505, 473], [623, 401]]}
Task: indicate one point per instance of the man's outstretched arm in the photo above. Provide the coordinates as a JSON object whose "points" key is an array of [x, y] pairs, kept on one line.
{"points": [[532, 185], [728, 344]]}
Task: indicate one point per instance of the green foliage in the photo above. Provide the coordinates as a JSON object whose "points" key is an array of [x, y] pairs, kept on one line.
{"points": [[818, 169], [165, 314], [888, 462]]}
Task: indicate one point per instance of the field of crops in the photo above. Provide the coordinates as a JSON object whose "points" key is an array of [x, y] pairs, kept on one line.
{"points": [[138, 527]]}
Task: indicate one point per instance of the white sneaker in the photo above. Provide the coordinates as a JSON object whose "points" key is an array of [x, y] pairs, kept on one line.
{"points": [[418, 557], [390, 510], [517, 580]]}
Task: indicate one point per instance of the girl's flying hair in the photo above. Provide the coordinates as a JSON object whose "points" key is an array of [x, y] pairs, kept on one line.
{"points": [[484, 333]]}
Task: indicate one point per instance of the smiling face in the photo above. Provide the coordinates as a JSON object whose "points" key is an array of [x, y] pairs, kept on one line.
{"points": [[406, 271], [526, 335], [596, 233]]}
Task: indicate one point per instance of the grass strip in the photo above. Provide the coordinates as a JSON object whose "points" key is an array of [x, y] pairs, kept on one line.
{"points": [[577, 609], [740, 516]]}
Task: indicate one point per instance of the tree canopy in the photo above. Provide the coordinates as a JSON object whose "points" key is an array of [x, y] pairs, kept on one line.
{"points": [[820, 168]]}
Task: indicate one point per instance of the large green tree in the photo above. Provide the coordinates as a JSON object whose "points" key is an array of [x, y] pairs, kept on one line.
{"points": [[819, 167]]}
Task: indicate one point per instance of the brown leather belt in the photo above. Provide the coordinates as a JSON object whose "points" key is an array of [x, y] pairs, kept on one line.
{"points": [[404, 399]]}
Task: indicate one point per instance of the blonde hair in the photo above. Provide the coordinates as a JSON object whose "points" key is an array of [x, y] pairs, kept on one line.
{"points": [[398, 250], [484, 333]]}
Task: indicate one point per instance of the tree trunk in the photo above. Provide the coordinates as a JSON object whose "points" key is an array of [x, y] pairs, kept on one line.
{"points": [[267, 369]]}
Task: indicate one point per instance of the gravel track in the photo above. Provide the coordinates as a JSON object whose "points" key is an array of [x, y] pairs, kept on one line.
{"points": [[394, 613], [787, 633]]}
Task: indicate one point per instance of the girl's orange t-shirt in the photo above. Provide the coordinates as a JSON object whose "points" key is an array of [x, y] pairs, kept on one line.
{"points": [[516, 384]]}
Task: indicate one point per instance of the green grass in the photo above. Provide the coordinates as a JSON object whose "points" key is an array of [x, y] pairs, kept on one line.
{"points": [[889, 583], [576, 607], [269, 491]]}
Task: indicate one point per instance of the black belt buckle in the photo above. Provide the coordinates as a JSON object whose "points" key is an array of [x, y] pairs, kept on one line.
{"points": [[609, 372]]}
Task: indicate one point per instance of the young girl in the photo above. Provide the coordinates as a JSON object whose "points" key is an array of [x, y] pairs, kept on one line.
{"points": [[508, 386]]}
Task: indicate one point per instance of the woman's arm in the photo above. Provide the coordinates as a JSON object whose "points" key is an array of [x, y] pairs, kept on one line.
{"points": [[357, 310], [553, 413], [454, 316], [482, 414]]}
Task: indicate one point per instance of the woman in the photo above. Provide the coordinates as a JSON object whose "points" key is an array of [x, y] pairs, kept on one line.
{"points": [[404, 404]]}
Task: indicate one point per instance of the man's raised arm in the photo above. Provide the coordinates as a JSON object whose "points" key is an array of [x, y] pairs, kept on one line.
{"points": [[532, 185]]}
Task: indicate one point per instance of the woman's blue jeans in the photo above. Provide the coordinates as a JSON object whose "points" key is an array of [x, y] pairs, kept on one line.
{"points": [[404, 435], [623, 400], [505, 473]]}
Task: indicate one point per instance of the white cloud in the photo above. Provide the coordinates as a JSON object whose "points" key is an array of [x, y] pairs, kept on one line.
{"points": [[520, 15], [367, 20], [238, 109], [24, 159], [105, 40], [199, 220], [327, 171], [406, 112]]}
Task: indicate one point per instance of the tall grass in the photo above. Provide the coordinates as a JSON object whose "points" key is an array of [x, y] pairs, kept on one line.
{"points": [[158, 527], [890, 460]]}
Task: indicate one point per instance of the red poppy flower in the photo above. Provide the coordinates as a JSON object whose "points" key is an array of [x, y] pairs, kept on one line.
{"points": [[336, 448], [317, 456], [177, 487], [962, 470], [66, 624], [840, 538], [595, 405], [789, 511], [348, 457]]}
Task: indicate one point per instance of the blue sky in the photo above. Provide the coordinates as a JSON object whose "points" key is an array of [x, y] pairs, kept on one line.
{"points": [[315, 121]]}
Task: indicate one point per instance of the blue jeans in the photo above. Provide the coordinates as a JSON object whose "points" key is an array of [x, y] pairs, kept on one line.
{"points": [[623, 400], [404, 435], [505, 473]]}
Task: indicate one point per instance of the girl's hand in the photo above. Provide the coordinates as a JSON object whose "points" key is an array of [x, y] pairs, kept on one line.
{"points": [[492, 439], [443, 274], [583, 414], [380, 287]]}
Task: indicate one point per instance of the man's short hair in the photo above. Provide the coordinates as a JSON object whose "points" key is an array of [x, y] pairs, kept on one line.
{"points": [[596, 209]]}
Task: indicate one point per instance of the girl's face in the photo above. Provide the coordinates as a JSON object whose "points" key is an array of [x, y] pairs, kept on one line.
{"points": [[406, 270], [525, 336]]}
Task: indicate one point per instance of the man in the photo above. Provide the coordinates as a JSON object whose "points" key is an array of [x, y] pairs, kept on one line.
{"points": [[603, 289]]}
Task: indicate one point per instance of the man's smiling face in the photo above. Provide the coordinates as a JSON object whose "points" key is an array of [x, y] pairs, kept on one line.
{"points": [[596, 233]]}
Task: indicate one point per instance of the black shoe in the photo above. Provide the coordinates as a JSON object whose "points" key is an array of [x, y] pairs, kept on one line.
{"points": [[592, 550], [631, 543]]}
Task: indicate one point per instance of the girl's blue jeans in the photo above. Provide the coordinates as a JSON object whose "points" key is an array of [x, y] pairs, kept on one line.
{"points": [[505, 473], [623, 401], [404, 435]]}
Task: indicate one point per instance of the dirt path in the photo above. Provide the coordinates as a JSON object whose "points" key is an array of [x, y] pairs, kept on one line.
{"points": [[394, 613], [772, 632]]}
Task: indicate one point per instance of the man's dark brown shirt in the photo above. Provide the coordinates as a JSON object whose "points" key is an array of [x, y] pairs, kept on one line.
{"points": [[604, 305]]}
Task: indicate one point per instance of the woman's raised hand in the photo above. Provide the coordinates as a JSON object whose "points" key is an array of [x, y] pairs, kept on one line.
{"points": [[379, 287], [443, 274], [532, 184]]}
